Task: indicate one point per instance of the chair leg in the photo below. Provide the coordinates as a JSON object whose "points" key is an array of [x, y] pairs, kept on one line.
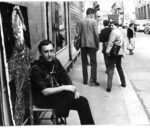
{"points": [[61, 121], [58, 120], [54, 118], [65, 121], [32, 119]]}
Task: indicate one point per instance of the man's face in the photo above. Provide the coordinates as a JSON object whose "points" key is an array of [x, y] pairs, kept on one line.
{"points": [[132, 26], [112, 26], [91, 15], [47, 52]]}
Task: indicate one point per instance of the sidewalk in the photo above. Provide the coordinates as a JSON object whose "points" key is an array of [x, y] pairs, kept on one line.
{"points": [[119, 107]]}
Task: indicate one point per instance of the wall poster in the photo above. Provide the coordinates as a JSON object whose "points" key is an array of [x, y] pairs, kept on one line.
{"points": [[16, 41]]}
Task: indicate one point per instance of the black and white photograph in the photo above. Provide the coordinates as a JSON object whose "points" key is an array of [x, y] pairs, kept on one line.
{"points": [[75, 63]]}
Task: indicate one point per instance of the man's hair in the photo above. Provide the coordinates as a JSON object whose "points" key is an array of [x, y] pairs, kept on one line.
{"points": [[105, 22], [131, 24], [90, 11], [115, 23], [42, 43]]}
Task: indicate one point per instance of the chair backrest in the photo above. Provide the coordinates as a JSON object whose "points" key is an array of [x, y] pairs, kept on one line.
{"points": [[34, 108]]}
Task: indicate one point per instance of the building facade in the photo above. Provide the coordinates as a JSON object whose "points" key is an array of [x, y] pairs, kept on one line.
{"points": [[142, 9], [47, 19], [38, 21]]}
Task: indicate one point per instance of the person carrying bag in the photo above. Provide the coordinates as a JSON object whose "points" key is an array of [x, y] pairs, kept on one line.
{"points": [[131, 46], [131, 35], [115, 52]]}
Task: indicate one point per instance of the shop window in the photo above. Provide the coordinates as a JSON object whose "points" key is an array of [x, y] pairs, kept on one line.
{"points": [[148, 6], [61, 39]]}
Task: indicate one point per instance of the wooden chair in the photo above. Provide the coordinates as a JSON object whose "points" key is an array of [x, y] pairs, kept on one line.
{"points": [[40, 112]]}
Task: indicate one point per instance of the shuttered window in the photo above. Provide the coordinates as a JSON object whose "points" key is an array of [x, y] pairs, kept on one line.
{"points": [[75, 16]]}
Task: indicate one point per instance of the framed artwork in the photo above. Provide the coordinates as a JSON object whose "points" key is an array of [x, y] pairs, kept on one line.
{"points": [[15, 43]]}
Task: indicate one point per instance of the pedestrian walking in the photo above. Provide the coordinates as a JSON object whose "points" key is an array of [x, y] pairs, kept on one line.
{"points": [[115, 38], [58, 92], [131, 35], [103, 37], [88, 31]]}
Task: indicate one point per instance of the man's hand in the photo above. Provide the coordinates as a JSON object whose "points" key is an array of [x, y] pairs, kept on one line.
{"points": [[77, 95], [70, 88]]}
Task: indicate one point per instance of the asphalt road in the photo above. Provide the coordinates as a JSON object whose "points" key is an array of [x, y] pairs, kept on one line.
{"points": [[137, 68]]}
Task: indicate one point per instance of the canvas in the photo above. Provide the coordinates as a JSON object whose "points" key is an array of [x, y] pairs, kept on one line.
{"points": [[15, 41]]}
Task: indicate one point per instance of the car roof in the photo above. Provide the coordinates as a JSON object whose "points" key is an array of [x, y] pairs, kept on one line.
{"points": [[140, 22]]}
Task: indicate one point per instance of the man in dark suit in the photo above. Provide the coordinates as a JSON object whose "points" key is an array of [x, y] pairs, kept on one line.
{"points": [[103, 37], [88, 31]]}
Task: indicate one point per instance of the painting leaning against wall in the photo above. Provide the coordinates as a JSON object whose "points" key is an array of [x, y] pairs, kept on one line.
{"points": [[17, 46]]}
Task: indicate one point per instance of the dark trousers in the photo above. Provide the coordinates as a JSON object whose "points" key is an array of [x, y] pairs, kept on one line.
{"points": [[65, 101], [93, 62], [111, 65], [106, 60]]}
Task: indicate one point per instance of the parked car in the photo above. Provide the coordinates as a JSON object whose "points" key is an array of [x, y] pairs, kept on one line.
{"points": [[125, 25], [140, 25], [147, 28]]}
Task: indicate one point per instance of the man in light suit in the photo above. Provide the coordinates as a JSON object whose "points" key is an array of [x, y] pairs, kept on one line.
{"points": [[87, 28]]}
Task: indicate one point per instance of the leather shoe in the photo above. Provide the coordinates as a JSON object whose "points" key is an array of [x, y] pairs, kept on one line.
{"points": [[85, 83], [95, 83], [123, 85], [131, 53], [108, 89]]}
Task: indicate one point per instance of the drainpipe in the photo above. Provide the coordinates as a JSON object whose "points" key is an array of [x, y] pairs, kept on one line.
{"points": [[47, 22], [70, 56]]}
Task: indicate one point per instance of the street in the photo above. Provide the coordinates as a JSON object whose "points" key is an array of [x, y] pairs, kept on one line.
{"points": [[137, 67], [122, 106]]}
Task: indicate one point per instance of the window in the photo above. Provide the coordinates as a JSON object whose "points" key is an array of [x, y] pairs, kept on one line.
{"points": [[148, 7], [144, 16], [142, 13], [61, 32]]}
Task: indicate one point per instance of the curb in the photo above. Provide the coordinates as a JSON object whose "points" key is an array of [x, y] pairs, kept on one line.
{"points": [[135, 110]]}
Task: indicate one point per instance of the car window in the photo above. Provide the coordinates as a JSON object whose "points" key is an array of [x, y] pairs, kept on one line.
{"points": [[148, 24]]}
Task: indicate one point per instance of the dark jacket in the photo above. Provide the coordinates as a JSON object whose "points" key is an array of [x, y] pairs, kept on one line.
{"points": [[130, 33], [40, 76], [104, 37]]}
